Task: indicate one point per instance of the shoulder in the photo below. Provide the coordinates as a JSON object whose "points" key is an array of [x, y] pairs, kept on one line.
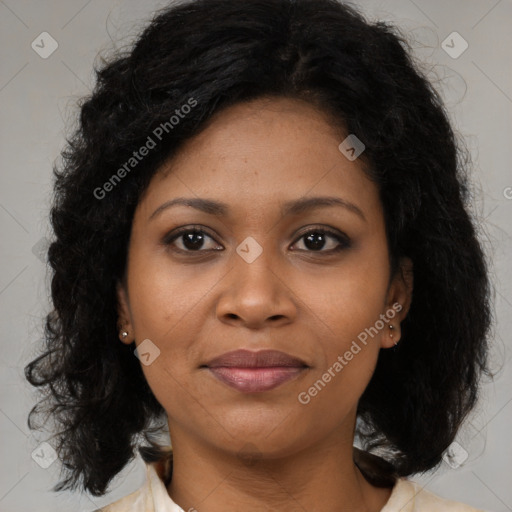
{"points": [[152, 496], [409, 496], [140, 500], [137, 501]]}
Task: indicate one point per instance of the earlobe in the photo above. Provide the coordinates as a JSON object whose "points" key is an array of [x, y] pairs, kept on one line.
{"points": [[398, 303]]}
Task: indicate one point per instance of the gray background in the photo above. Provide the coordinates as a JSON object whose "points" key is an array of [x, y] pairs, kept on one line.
{"points": [[37, 98]]}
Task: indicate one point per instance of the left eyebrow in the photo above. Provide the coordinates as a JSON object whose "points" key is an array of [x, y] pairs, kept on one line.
{"points": [[310, 203], [295, 207]]}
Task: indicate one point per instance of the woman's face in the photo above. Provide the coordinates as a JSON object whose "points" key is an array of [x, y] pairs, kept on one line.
{"points": [[259, 276]]}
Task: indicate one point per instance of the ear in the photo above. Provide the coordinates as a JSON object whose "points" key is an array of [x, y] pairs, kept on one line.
{"points": [[124, 323], [398, 302]]}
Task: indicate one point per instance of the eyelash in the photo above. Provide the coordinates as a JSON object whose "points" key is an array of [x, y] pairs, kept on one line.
{"points": [[343, 240]]}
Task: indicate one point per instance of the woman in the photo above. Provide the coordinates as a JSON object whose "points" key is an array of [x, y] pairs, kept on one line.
{"points": [[261, 239]]}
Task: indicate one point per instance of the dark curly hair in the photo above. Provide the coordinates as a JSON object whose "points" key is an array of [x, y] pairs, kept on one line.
{"points": [[218, 53]]}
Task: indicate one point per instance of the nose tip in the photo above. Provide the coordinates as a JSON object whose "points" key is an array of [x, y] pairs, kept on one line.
{"points": [[254, 294]]}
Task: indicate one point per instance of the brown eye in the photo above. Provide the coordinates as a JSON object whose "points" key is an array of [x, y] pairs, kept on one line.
{"points": [[190, 240], [315, 240]]}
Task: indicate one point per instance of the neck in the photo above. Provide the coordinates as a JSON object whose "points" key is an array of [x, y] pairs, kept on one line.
{"points": [[208, 479]]}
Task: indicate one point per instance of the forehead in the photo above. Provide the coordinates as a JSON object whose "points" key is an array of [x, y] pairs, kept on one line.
{"points": [[261, 154]]}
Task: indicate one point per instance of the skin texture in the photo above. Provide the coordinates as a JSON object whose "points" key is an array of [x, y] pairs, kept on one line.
{"points": [[262, 451]]}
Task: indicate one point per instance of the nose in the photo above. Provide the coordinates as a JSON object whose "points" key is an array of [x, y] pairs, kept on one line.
{"points": [[257, 294]]}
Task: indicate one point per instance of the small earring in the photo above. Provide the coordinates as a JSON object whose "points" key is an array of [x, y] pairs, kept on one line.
{"points": [[391, 327], [124, 334]]}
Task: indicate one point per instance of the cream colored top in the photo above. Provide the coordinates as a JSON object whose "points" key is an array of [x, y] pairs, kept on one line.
{"points": [[407, 496]]}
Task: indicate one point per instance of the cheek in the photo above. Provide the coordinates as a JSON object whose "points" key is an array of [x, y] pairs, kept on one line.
{"points": [[167, 308], [348, 336], [163, 296], [353, 295], [347, 308]]}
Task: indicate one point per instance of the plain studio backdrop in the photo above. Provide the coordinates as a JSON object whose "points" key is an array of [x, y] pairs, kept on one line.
{"points": [[464, 46]]}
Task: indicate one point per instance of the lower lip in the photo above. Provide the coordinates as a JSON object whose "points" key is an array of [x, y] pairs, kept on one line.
{"points": [[251, 380]]}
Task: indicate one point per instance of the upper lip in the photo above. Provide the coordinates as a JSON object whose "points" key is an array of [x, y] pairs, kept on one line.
{"points": [[249, 359]]}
